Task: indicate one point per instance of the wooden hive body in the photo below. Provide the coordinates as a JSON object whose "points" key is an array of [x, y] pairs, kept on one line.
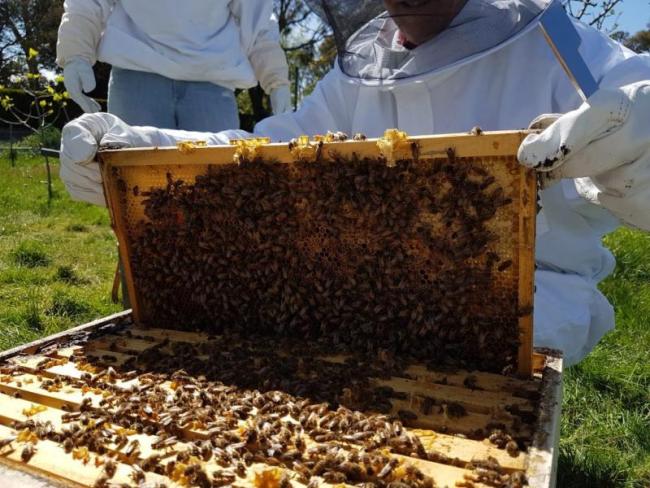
{"points": [[127, 359], [29, 392]]}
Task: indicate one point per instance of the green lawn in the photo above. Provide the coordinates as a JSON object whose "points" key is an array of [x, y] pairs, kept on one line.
{"points": [[56, 269], [56, 261], [606, 412]]}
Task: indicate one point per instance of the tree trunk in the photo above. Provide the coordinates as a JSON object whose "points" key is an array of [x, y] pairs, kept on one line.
{"points": [[49, 181]]}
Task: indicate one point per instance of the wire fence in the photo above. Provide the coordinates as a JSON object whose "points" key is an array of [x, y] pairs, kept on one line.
{"points": [[47, 154], [12, 151]]}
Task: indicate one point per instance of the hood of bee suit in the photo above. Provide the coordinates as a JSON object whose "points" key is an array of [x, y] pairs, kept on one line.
{"points": [[370, 47]]}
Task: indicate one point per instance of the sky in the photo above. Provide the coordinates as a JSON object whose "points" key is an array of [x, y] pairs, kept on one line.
{"points": [[631, 16]]}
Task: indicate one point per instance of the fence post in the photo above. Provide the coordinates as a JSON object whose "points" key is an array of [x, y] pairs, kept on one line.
{"points": [[49, 180], [41, 138], [12, 153]]}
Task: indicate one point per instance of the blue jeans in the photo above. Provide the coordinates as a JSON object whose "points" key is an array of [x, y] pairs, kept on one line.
{"points": [[141, 98]]}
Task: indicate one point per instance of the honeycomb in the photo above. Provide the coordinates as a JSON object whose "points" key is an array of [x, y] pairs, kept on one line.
{"points": [[420, 260]]}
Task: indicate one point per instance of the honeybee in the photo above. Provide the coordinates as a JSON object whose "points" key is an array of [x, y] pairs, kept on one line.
{"points": [[28, 451]]}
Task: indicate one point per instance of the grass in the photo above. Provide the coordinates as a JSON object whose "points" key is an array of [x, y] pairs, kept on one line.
{"points": [[606, 411], [56, 270], [56, 261], [30, 254]]}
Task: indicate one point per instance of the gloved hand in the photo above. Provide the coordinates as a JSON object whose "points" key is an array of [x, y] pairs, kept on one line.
{"points": [[82, 137], [80, 140], [78, 77], [605, 146], [281, 100]]}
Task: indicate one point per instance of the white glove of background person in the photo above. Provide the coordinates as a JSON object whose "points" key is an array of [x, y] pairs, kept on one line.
{"points": [[605, 146], [78, 77], [281, 100], [81, 138]]}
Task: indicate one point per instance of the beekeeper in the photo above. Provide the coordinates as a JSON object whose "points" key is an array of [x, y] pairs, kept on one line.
{"points": [[439, 66], [174, 64]]}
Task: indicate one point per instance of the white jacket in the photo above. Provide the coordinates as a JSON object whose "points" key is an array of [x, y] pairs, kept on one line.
{"points": [[501, 90], [232, 43]]}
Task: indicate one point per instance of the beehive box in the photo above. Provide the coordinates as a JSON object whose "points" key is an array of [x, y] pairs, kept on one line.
{"points": [[244, 404]]}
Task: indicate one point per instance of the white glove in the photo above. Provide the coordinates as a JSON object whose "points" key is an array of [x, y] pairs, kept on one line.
{"points": [[605, 146], [78, 77], [281, 100], [81, 138]]}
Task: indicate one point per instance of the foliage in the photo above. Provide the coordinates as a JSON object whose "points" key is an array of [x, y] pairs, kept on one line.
{"points": [[302, 34], [48, 104], [593, 12], [308, 43], [48, 101], [309, 68], [49, 137], [26, 26], [639, 42]]}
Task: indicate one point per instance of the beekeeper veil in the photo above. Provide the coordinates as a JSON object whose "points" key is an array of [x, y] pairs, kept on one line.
{"points": [[371, 47]]}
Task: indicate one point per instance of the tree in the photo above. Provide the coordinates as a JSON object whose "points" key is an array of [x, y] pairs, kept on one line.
{"points": [[593, 12], [28, 34], [47, 102], [639, 42], [302, 35], [307, 42], [28, 26]]}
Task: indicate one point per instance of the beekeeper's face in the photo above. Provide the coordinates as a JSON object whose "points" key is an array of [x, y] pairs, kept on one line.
{"points": [[421, 20]]}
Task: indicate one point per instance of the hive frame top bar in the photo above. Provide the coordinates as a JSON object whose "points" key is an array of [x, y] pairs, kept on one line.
{"points": [[462, 145], [487, 144]]}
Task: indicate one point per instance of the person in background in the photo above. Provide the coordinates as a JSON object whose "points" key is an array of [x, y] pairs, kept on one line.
{"points": [[175, 65], [442, 66]]}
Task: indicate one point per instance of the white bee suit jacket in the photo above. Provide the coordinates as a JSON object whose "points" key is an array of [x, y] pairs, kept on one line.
{"points": [[232, 43], [502, 90]]}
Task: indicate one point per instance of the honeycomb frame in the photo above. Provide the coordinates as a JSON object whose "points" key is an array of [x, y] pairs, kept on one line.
{"points": [[141, 169]]}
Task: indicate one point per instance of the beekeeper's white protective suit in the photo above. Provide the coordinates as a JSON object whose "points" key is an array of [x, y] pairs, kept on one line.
{"points": [[231, 43], [504, 88]]}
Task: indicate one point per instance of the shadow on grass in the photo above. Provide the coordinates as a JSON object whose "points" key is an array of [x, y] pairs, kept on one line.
{"points": [[77, 228], [64, 305], [68, 275], [30, 254], [574, 474]]}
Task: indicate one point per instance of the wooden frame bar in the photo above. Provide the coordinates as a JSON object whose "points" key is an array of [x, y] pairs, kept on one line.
{"points": [[526, 278], [488, 144]]}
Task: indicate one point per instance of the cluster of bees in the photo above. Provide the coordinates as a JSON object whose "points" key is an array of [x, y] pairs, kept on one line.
{"points": [[348, 252], [302, 370], [250, 408]]}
